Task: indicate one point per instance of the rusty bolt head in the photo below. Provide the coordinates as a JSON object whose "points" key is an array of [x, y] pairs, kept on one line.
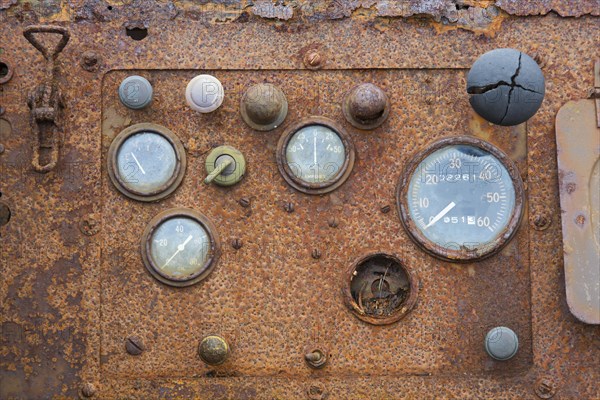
{"points": [[4, 214], [316, 254], [289, 207], [333, 222], [316, 392], [134, 346], [236, 243], [87, 390], [90, 61], [244, 202], [90, 225], [313, 59], [545, 388], [580, 220], [264, 107], [316, 359], [385, 209], [542, 222], [213, 350], [366, 106]]}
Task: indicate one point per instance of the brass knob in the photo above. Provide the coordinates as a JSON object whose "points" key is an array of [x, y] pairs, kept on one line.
{"points": [[366, 106], [213, 350], [264, 107]]}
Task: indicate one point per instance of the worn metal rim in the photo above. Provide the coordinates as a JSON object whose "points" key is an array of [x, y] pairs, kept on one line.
{"points": [[273, 125], [362, 124], [401, 312], [463, 255], [209, 265], [9, 72], [166, 189], [322, 187]]}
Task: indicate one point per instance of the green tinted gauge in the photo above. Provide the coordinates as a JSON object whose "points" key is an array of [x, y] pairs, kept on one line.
{"points": [[315, 156], [180, 247], [461, 199]]}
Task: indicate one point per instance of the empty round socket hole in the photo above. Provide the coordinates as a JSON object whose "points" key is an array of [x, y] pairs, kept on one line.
{"points": [[5, 71], [137, 33], [380, 289]]}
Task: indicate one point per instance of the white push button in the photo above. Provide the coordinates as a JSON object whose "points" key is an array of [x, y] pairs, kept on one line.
{"points": [[204, 93]]}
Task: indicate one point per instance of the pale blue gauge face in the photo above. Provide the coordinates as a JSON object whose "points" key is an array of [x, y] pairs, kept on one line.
{"points": [[146, 162], [315, 154], [460, 196], [180, 247]]}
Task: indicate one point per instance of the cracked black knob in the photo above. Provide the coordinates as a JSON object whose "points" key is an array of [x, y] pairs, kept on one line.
{"points": [[506, 87]]}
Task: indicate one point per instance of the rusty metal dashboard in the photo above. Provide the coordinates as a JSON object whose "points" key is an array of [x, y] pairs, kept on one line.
{"points": [[272, 303]]}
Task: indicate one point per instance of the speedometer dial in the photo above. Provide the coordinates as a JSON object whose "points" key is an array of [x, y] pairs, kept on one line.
{"points": [[461, 199]]}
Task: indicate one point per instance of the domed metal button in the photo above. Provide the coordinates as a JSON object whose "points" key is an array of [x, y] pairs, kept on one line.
{"points": [[264, 107], [366, 106], [204, 93], [135, 92], [213, 350], [507, 87], [501, 343]]}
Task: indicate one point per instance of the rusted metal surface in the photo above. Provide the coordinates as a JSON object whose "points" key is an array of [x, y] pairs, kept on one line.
{"points": [[70, 300], [578, 147]]}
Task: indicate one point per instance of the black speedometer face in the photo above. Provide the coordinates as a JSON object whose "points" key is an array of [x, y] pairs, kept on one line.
{"points": [[461, 199]]}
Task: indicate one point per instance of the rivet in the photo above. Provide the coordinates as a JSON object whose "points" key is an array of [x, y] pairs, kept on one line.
{"points": [[333, 222], [90, 225], [316, 392], [134, 345], [289, 207], [89, 61], [580, 220], [542, 222], [316, 254], [244, 202], [213, 350], [87, 390], [545, 388], [313, 59], [236, 243]]}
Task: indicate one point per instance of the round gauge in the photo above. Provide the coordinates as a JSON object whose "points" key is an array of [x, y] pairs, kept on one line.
{"points": [[315, 156], [180, 247], [146, 162], [461, 199]]}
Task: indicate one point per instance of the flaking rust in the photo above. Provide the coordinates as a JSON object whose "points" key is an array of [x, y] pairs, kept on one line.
{"points": [[74, 287]]}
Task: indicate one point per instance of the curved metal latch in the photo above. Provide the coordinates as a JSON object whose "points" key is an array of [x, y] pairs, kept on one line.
{"points": [[46, 99]]}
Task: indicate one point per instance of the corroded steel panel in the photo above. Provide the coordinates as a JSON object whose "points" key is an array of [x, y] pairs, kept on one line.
{"points": [[74, 288]]}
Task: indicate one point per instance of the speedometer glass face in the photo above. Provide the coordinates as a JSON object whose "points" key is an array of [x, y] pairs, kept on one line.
{"points": [[179, 246], [146, 162], [315, 156], [462, 199]]}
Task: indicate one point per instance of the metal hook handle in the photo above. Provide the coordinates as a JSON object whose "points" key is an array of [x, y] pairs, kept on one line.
{"points": [[31, 30]]}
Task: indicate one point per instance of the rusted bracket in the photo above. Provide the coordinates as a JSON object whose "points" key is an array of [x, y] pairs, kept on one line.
{"points": [[595, 91], [45, 100]]}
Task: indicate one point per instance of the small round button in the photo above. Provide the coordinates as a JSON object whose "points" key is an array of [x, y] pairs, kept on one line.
{"points": [[213, 350], [204, 93], [135, 92], [501, 343], [366, 106], [264, 107]]}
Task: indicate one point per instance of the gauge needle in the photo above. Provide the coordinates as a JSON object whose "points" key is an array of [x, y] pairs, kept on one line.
{"points": [[441, 214], [138, 163], [181, 247], [315, 148]]}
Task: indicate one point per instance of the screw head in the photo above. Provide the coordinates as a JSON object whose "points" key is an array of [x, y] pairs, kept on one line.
{"points": [[542, 222], [289, 207], [385, 209], [333, 222], [316, 254], [87, 390], [316, 392], [213, 350], [545, 388], [244, 202], [134, 345], [90, 225], [236, 244], [313, 59], [89, 61]]}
